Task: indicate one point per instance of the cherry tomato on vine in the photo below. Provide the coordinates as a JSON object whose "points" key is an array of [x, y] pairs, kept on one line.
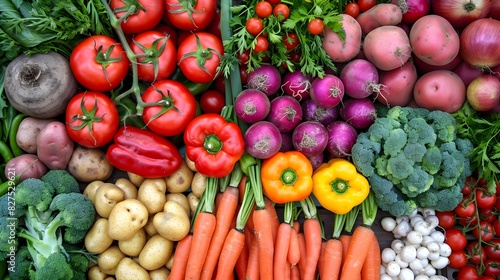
{"points": [[492, 267], [244, 56], [487, 214], [485, 231], [186, 16], [446, 219], [467, 272], [220, 84], [91, 119], [290, 40], [243, 74], [492, 249], [263, 9], [274, 2], [315, 26], [262, 44], [352, 9], [149, 14], [254, 26], [469, 185], [212, 101], [365, 5], [485, 199], [456, 239], [281, 11], [475, 252], [496, 226], [465, 208], [458, 259]]}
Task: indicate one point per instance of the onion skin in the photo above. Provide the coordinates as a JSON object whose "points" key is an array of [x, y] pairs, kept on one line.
{"points": [[252, 105], [360, 78], [316, 160], [461, 13], [360, 113], [466, 72], [262, 140], [483, 93], [495, 10], [286, 141], [479, 43], [297, 85], [266, 78], [310, 138], [286, 113], [413, 9], [313, 112], [341, 138], [327, 92]]}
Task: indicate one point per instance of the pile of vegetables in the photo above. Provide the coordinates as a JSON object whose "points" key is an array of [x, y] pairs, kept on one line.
{"points": [[168, 139]]}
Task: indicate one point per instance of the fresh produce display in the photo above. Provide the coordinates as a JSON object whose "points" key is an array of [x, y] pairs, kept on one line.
{"points": [[249, 139]]}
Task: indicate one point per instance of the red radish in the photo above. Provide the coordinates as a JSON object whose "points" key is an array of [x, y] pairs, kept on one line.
{"points": [[286, 113], [360, 113], [398, 85], [479, 43], [327, 92], [360, 78], [483, 93], [252, 105], [341, 138], [266, 78], [466, 72], [313, 112], [460, 13], [310, 138], [262, 139], [297, 85], [316, 160]]}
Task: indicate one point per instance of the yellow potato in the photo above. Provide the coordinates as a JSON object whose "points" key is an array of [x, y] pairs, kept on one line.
{"points": [[132, 247], [109, 259], [126, 218], [127, 187], [198, 184], [173, 223], [150, 227], [97, 239], [106, 197], [128, 269], [152, 194], [156, 252], [181, 199], [190, 164], [91, 188], [180, 180], [135, 179], [193, 201], [95, 273], [161, 273]]}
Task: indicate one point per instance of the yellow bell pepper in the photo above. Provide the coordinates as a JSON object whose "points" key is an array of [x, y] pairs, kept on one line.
{"points": [[287, 177], [338, 186]]}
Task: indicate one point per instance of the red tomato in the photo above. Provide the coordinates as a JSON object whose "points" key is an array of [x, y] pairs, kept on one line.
{"points": [[475, 252], [91, 119], [214, 26], [243, 74], [487, 214], [352, 9], [470, 184], [496, 226], [458, 259], [244, 57], [446, 219], [262, 44], [281, 11], [150, 13], [220, 84], [315, 26], [365, 5], [160, 62], [254, 26], [274, 2], [485, 231], [182, 35], [465, 208], [467, 272], [176, 107], [485, 199], [263, 9], [492, 267], [468, 221], [195, 18], [456, 239], [492, 249], [167, 30], [415, 10], [199, 57], [99, 63], [290, 40], [212, 101]]}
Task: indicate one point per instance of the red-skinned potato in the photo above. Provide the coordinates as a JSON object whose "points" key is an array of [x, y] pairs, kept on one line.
{"points": [[54, 147], [28, 131], [398, 85], [440, 90], [343, 50], [25, 166]]}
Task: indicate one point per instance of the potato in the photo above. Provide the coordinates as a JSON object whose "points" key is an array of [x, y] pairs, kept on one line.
{"points": [[181, 199], [135, 179], [95, 273], [127, 187], [126, 218], [150, 227], [387, 47], [193, 201], [89, 164], [343, 50], [173, 223], [28, 131], [109, 259], [128, 269], [132, 247], [26, 166], [398, 85], [106, 197], [159, 274], [440, 90], [180, 180], [191, 164], [156, 252], [170, 261], [97, 239], [91, 189], [152, 194], [54, 146], [198, 184]]}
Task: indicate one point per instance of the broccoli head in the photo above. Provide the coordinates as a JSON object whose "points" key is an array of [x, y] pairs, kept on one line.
{"points": [[23, 268], [444, 125], [419, 131], [441, 200], [33, 193], [366, 151], [61, 181], [395, 142], [389, 198], [431, 162], [56, 267], [8, 239], [418, 182], [414, 151], [399, 167]]}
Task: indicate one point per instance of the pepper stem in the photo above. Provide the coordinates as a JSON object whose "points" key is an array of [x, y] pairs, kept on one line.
{"points": [[339, 186], [212, 144], [288, 177]]}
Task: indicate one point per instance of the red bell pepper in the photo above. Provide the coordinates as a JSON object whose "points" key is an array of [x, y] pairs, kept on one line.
{"points": [[213, 144], [144, 153]]}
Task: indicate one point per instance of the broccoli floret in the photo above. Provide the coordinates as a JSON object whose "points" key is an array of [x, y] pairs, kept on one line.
{"points": [[364, 153], [452, 166], [23, 267], [56, 267], [61, 181], [419, 131], [33, 193], [414, 151], [8, 239], [389, 198], [381, 166], [444, 125], [431, 162], [400, 167], [381, 129], [395, 143], [464, 145], [441, 200], [418, 182]]}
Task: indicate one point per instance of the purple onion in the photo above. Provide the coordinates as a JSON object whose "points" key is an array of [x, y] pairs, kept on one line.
{"points": [[262, 139], [327, 92], [252, 105], [341, 137], [266, 78], [310, 138], [316, 160], [286, 141], [297, 85], [313, 112], [286, 113], [360, 78], [360, 113]]}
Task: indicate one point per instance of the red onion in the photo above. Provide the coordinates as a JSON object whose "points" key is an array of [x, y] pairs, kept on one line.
{"points": [[479, 43], [297, 85], [310, 138], [316, 160], [360, 78], [483, 93], [466, 72], [252, 105], [286, 113], [495, 10], [262, 139], [286, 141], [360, 113], [460, 13], [327, 92], [313, 112], [266, 78], [341, 138], [413, 9]]}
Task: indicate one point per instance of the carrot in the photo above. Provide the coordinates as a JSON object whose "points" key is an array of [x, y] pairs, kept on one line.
{"points": [[275, 221], [294, 272], [357, 252], [345, 239], [313, 237], [181, 256], [321, 258], [371, 266], [241, 263], [226, 209], [265, 242], [293, 256], [252, 272], [281, 250], [302, 248], [332, 260]]}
